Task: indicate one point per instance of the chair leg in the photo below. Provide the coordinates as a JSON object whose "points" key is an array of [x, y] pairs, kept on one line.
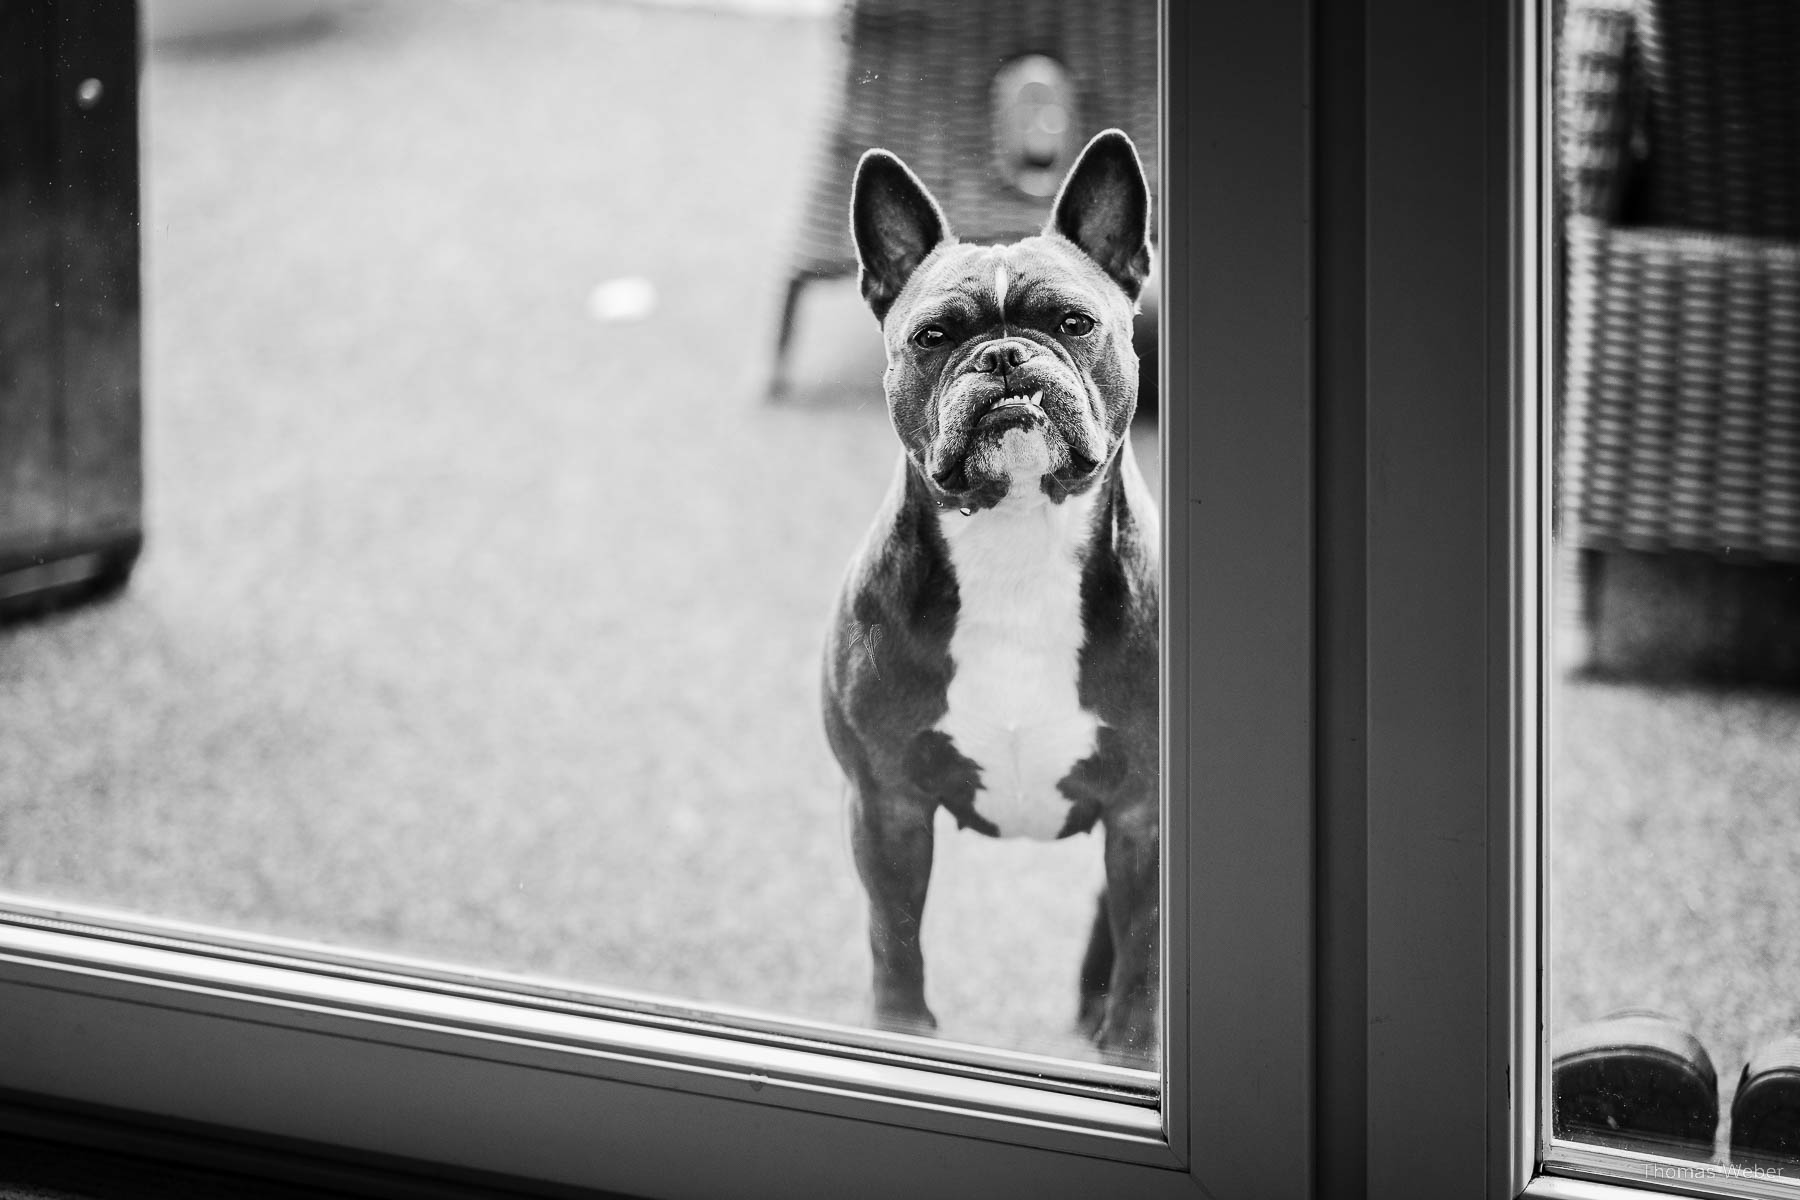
{"points": [[1591, 570], [1577, 614], [790, 309]]}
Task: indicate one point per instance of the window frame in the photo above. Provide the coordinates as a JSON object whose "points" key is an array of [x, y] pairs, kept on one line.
{"points": [[1383, 999], [1570, 1170], [1426, 977], [172, 1032], [1453, 303], [1442, 160]]}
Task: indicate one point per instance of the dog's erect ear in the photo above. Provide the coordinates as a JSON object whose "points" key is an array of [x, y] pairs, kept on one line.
{"points": [[896, 224], [1104, 208]]}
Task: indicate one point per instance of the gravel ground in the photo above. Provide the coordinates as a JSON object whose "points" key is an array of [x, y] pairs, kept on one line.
{"points": [[1674, 841]]}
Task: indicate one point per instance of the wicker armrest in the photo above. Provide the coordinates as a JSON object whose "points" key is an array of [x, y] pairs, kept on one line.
{"points": [[1682, 422], [1594, 109]]}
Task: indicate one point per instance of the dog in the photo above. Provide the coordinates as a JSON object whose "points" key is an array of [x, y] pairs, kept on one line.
{"points": [[994, 648]]}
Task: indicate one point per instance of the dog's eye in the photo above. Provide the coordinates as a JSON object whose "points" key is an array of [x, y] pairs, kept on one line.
{"points": [[1077, 324], [930, 337]]}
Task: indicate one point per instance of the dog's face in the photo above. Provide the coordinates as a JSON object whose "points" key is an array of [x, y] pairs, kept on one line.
{"points": [[1010, 369]]}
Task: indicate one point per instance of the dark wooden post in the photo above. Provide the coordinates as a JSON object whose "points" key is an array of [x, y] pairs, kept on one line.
{"points": [[71, 473]]}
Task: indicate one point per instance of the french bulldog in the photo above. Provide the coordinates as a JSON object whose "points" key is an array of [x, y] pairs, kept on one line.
{"points": [[993, 651]]}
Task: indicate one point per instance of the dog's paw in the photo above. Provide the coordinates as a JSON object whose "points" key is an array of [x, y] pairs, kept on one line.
{"points": [[1126, 1035], [1139, 1056], [914, 1019], [1091, 1015]]}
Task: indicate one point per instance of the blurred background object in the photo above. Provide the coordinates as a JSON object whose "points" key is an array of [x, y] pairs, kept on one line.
{"points": [[988, 104], [70, 457], [186, 20], [1678, 139], [1036, 123]]}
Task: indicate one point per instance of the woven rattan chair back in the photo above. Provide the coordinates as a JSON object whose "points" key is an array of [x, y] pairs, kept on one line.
{"points": [[1721, 120], [1679, 163], [918, 80]]}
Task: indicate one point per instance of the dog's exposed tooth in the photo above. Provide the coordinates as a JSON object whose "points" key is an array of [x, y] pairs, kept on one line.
{"points": [[1034, 400]]}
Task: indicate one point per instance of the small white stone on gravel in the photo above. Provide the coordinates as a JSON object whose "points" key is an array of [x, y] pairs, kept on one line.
{"points": [[628, 298]]}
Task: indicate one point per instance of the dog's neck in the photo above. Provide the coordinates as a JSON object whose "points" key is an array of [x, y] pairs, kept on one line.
{"points": [[1026, 524]]}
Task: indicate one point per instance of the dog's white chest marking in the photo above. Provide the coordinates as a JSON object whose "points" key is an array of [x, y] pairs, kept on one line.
{"points": [[1013, 706]]}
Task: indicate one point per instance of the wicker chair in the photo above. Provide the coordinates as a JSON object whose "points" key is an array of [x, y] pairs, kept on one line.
{"points": [[924, 78], [1678, 137]]}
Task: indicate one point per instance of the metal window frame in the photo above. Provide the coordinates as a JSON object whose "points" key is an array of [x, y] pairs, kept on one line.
{"points": [[1452, 317]]}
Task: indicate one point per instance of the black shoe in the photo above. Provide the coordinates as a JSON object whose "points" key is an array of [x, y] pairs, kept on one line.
{"points": [[1635, 1081], [1765, 1114]]}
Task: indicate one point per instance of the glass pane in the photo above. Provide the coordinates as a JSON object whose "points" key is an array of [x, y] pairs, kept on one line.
{"points": [[1673, 742], [511, 421]]}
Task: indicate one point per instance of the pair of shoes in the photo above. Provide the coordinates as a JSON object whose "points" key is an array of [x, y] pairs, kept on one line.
{"points": [[1638, 1080]]}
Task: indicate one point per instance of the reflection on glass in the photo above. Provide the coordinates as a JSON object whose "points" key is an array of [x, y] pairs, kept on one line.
{"points": [[485, 581], [1673, 873]]}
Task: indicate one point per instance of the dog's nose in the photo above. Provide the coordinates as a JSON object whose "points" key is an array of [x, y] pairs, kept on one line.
{"points": [[1003, 356]]}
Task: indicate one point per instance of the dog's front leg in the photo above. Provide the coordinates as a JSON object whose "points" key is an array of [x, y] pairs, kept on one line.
{"points": [[1128, 1032], [891, 836]]}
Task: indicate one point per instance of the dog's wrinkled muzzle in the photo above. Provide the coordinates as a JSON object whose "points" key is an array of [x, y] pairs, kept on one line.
{"points": [[998, 440]]}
